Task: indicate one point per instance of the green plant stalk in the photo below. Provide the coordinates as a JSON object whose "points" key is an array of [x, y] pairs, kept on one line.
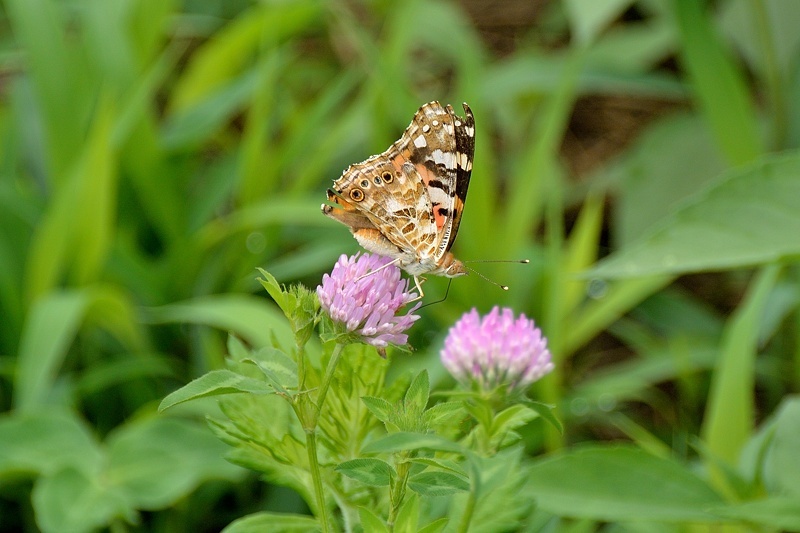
{"points": [[469, 509], [398, 490], [311, 449], [311, 435]]}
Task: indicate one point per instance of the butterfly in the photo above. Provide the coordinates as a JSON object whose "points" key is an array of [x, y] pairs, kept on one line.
{"points": [[406, 203]]}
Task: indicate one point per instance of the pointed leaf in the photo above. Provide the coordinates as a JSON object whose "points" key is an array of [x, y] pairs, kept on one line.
{"points": [[749, 216], [546, 412], [378, 407], [215, 383], [613, 483], [416, 398], [436, 526], [371, 522], [368, 470], [277, 522], [408, 515], [437, 484], [398, 442]]}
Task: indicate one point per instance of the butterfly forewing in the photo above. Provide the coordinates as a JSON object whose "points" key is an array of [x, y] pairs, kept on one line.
{"points": [[407, 202]]}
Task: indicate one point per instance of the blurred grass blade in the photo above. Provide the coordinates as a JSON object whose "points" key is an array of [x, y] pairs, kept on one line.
{"points": [[50, 328], [76, 232], [588, 18], [612, 302], [719, 87], [729, 417], [65, 86], [250, 318], [749, 216], [222, 58], [531, 174], [581, 251]]}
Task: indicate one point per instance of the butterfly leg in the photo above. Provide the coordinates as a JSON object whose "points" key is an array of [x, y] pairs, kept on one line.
{"points": [[418, 281], [371, 272]]}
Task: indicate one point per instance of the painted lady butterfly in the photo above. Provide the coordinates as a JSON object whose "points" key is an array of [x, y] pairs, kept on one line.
{"points": [[406, 203]]}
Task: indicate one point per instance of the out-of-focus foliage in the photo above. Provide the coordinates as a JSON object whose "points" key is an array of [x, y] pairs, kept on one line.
{"points": [[154, 153]]}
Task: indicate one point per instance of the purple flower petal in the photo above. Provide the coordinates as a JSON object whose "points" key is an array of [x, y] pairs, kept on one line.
{"points": [[364, 295], [495, 350]]}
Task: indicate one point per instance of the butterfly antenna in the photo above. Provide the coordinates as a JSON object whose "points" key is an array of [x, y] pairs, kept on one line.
{"points": [[504, 287], [449, 282]]}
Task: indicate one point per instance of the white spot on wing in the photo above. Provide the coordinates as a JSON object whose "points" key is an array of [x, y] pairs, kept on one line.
{"points": [[444, 158], [438, 196], [470, 131], [420, 142], [426, 128]]}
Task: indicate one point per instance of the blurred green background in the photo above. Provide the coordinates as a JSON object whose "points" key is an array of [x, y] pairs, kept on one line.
{"points": [[156, 152]]}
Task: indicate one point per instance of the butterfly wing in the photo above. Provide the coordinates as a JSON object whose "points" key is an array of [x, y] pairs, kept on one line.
{"points": [[412, 195], [441, 145]]}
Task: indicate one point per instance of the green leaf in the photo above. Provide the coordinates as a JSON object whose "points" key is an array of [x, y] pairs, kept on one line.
{"points": [[278, 367], [408, 515], [50, 328], [719, 86], [416, 398], [72, 500], [781, 468], [277, 522], [398, 442], [378, 407], [730, 408], [215, 383], [509, 419], [620, 483], [441, 412], [588, 18], [435, 527], [437, 484], [236, 348], [780, 512], [371, 522], [367, 470], [157, 461], [749, 216], [438, 463], [250, 317], [275, 290], [42, 443], [546, 411]]}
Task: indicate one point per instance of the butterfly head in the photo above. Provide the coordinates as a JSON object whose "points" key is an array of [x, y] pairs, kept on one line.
{"points": [[452, 267]]}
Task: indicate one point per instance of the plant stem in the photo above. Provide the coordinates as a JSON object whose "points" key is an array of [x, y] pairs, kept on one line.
{"points": [[474, 487], [311, 436], [311, 448], [326, 380]]}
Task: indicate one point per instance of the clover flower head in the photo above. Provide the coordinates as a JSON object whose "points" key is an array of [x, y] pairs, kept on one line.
{"points": [[495, 350], [364, 296]]}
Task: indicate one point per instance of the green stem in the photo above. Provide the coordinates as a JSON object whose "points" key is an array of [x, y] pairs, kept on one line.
{"points": [[326, 380], [311, 436], [398, 491], [474, 487], [316, 476]]}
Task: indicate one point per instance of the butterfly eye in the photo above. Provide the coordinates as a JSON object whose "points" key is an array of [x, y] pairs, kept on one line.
{"points": [[365, 183], [387, 177], [357, 195], [377, 180]]}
